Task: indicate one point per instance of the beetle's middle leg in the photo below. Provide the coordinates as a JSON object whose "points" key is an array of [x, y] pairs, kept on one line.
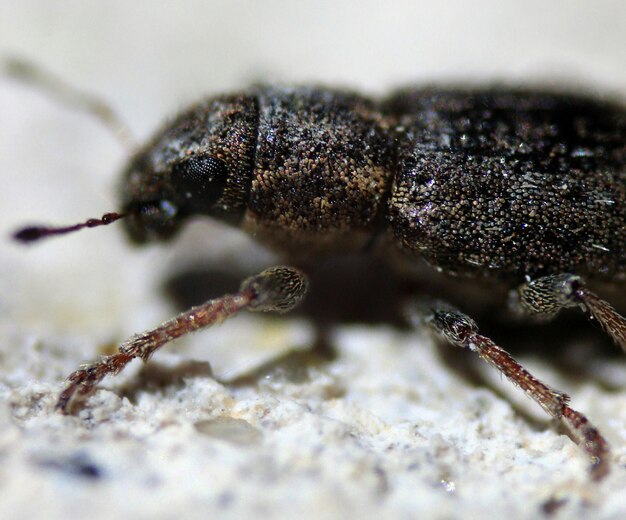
{"points": [[277, 289], [546, 296], [462, 331]]}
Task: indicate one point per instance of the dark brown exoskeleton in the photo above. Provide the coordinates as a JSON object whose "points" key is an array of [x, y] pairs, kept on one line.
{"points": [[517, 188]]}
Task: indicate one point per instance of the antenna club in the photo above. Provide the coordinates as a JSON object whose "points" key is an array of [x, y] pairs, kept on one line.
{"points": [[29, 234]]}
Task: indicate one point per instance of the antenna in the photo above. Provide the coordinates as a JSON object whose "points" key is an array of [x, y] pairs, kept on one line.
{"points": [[32, 74], [30, 234]]}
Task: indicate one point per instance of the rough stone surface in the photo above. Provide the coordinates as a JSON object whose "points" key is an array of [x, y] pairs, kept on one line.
{"points": [[394, 427]]}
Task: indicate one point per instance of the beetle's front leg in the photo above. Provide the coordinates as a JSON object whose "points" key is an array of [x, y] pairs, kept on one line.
{"points": [[462, 331], [277, 289], [546, 296]]}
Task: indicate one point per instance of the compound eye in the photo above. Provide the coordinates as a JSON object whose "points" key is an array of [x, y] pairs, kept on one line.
{"points": [[200, 180]]}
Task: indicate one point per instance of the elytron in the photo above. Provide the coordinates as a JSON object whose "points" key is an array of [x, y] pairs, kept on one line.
{"points": [[518, 191]]}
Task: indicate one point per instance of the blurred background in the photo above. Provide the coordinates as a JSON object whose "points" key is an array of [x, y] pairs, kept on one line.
{"points": [[149, 58]]}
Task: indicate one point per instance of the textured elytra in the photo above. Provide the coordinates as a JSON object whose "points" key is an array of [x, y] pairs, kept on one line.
{"points": [[494, 183], [504, 183]]}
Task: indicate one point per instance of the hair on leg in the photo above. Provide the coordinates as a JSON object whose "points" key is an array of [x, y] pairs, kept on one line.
{"points": [[460, 330], [278, 289]]}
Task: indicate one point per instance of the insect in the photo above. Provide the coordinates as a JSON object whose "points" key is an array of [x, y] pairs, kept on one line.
{"points": [[519, 191]]}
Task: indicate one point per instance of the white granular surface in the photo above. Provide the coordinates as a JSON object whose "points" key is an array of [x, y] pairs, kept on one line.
{"points": [[389, 429]]}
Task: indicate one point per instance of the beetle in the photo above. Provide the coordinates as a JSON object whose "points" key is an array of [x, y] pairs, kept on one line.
{"points": [[521, 191]]}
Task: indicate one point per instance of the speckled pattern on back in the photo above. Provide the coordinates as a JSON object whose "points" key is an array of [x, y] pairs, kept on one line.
{"points": [[324, 164], [500, 183], [497, 182]]}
